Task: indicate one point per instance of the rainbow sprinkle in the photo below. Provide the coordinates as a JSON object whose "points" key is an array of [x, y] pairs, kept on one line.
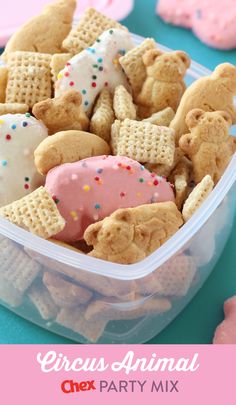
{"points": [[74, 215], [86, 187]]}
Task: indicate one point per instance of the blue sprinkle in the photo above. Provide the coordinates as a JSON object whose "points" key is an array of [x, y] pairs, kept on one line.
{"points": [[86, 103], [91, 50], [13, 126], [122, 52], [198, 13], [24, 124], [84, 91], [97, 206], [142, 167], [100, 60], [4, 162], [99, 170]]}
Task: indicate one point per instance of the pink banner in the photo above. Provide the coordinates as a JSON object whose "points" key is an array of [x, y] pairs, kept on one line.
{"points": [[72, 374]]}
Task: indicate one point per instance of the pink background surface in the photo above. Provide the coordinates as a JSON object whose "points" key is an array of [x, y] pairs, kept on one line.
{"points": [[22, 380], [17, 13]]}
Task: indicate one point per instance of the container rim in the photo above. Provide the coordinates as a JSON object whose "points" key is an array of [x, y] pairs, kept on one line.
{"points": [[157, 258]]}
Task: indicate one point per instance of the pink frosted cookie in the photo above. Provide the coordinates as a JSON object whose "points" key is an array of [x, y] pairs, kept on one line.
{"points": [[91, 189], [213, 22], [226, 331]]}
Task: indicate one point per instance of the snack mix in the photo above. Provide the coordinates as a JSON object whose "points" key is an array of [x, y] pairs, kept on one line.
{"points": [[105, 152]]}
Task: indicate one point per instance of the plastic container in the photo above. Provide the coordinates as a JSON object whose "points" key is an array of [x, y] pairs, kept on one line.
{"points": [[130, 303]]}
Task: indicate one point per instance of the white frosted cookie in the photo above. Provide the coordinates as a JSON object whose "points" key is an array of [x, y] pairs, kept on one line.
{"points": [[96, 67], [20, 134]]}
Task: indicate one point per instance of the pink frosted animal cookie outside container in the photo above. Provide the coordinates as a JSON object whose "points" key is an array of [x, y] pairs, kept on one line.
{"points": [[213, 22], [136, 301]]}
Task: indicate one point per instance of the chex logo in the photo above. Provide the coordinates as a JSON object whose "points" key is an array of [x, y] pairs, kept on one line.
{"points": [[70, 386]]}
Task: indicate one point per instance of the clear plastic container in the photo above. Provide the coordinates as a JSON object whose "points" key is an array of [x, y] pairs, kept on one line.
{"points": [[121, 303]]}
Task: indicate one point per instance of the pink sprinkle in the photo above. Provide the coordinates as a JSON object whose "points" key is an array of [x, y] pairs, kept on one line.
{"points": [[67, 74], [71, 83], [26, 186]]}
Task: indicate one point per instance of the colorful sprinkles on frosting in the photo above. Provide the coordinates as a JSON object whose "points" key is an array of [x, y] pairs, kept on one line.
{"points": [[86, 204], [101, 63]]}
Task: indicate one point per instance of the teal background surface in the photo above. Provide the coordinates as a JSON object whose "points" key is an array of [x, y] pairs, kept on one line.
{"points": [[196, 324]]}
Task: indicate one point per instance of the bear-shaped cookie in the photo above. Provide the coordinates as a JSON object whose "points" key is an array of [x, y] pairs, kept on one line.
{"points": [[62, 113], [211, 93], [130, 234], [164, 84], [226, 331], [208, 145], [96, 67]]}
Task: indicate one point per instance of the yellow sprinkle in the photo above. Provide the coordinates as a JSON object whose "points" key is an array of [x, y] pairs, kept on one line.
{"points": [[86, 187], [100, 182], [59, 76], [74, 215], [138, 195], [1, 121], [150, 183]]}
